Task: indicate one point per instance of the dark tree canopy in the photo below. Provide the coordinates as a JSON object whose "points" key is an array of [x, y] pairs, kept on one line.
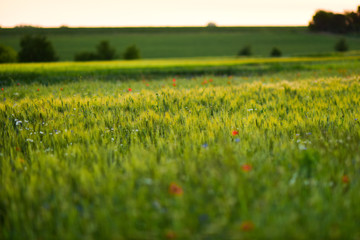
{"points": [[36, 49], [275, 52], [7, 54], [245, 51], [336, 23], [103, 52], [131, 52], [341, 45]]}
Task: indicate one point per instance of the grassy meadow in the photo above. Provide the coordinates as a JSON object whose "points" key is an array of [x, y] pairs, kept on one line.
{"points": [[181, 149], [186, 42]]}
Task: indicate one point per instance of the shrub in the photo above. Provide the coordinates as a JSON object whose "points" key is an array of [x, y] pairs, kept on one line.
{"points": [[36, 49], [104, 51], [341, 46], [275, 52], [85, 56], [7, 54], [131, 52], [245, 51]]}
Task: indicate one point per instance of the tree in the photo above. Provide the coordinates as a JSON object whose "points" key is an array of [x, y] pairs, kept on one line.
{"points": [[104, 51], [245, 51], [85, 56], [275, 52], [36, 49], [336, 23], [132, 52], [7, 54], [341, 45]]}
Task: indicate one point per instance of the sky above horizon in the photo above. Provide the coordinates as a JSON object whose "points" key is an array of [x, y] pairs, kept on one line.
{"points": [[118, 13]]}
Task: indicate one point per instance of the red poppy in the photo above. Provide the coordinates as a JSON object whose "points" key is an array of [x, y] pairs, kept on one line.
{"points": [[37, 89], [247, 226], [175, 189], [211, 80], [129, 89], [2, 89], [170, 234], [174, 80], [61, 89], [235, 132], [147, 84], [246, 167], [174, 84], [345, 179]]}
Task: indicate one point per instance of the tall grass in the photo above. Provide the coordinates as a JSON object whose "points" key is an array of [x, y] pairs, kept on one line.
{"points": [[182, 158]]}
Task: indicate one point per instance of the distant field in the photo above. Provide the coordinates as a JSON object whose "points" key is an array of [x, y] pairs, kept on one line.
{"points": [[50, 73], [186, 42]]}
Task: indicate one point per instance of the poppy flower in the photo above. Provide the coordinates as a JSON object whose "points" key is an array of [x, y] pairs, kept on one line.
{"points": [[345, 179], [129, 89], [38, 89], [174, 80], [174, 84], [2, 89], [170, 234], [61, 89], [247, 226], [147, 84], [211, 80], [235, 132], [175, 189], [246, 167]]}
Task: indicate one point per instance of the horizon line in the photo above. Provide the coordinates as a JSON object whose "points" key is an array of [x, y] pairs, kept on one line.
{"points": [[139, 26]]}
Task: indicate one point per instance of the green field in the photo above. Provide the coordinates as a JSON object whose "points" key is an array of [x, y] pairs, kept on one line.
{"points": [[186, 42], [181, 149]]}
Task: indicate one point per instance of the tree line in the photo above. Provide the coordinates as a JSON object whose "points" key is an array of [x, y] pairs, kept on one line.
{"points": [[40, 49], [348, 22]]}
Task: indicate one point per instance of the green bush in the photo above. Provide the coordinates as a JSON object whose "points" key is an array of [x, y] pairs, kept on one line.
{"points": [[85, 56], [7, 54], [36, 49], [103, 52], [341, 46], [275, 52], [132, 52], [245, 51]]}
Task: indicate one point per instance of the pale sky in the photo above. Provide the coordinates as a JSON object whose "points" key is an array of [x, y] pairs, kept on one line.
{"points": [[114, 13]]}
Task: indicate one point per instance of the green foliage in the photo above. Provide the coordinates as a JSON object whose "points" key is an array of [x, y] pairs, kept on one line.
{"points": [[337, 23], [275, 52], [7, 54], [341, 46], [85, 56], [131, 53], [103, 52], [36, 49], [245, 51]]}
